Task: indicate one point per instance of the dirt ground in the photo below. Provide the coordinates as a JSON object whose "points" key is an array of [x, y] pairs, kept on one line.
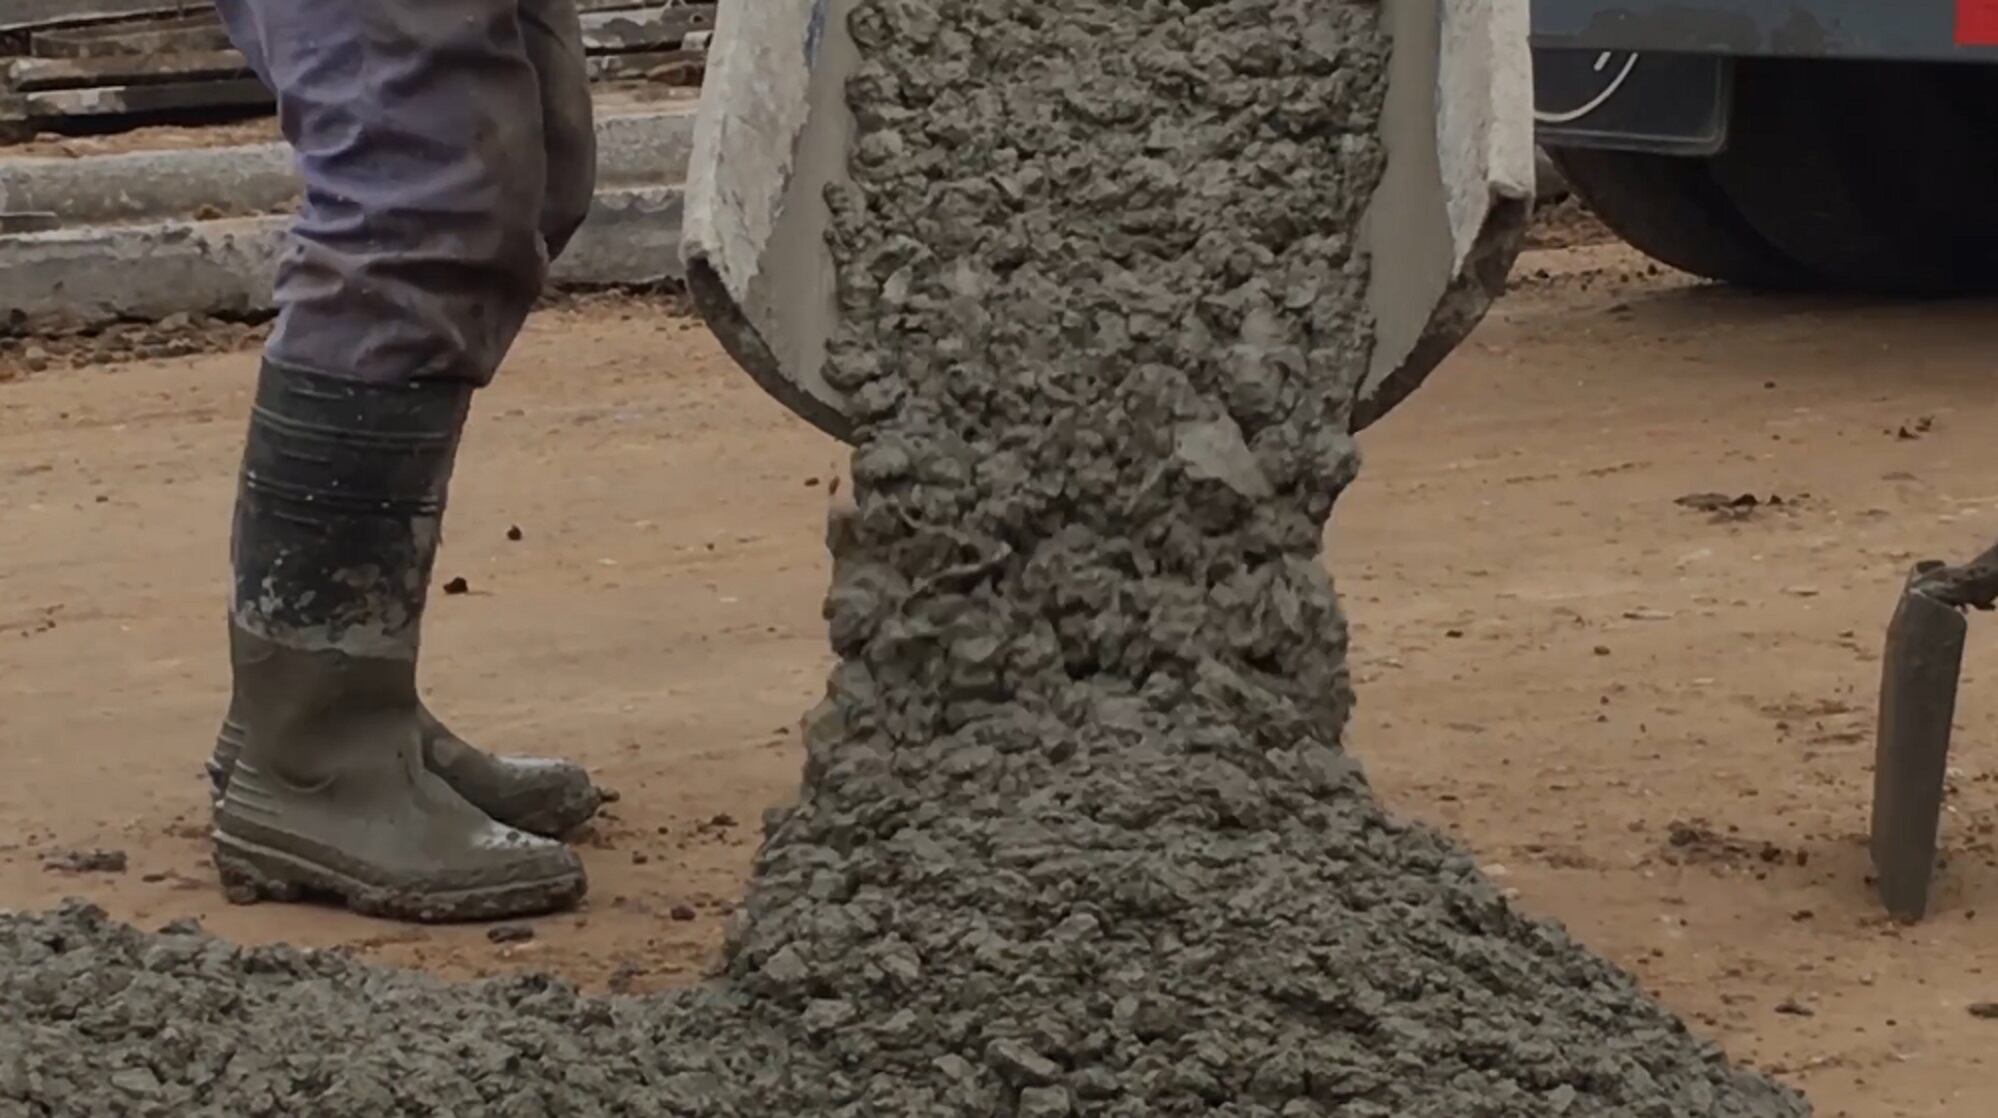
{"points": [[1651, 720]]}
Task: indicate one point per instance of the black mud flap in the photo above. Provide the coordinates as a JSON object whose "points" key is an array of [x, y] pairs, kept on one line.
{"points": [[1667, 104], [1919, 671]]}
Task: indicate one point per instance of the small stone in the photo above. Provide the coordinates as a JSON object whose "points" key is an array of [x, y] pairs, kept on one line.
{"points": [[515, 534], [458, 586], [786, 967], [683, 913], [1984, 1011], [1044, 1102], [1791, 1007], [824, 1015], [1096, 1084], [902, 1028], [35, 358], [136, 1081], [510, 933], [900, 963], [1077, 928], [639, 857], [1021, 1064], [953, 1066]]}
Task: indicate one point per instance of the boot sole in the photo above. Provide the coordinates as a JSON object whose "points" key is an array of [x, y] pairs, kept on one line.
{"points": [[252, 873]]}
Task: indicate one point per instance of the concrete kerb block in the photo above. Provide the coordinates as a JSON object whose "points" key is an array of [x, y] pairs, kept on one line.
{"points": [[632, 237], [104, 274], [94, 276], [250, 180], [147, 234], [242, 181]]}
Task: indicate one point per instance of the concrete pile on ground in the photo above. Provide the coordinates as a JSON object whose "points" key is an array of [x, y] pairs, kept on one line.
{"points": [[1077, 834]]}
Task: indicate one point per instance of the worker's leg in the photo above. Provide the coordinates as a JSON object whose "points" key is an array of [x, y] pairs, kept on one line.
{"points": [[406, 222], [554, 38], [371, 100], [412, 264], [418, 131]]}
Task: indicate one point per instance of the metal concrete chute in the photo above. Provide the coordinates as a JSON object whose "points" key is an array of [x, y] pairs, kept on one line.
{"points": [[1447, 220], [773, 131], [770, 137]]}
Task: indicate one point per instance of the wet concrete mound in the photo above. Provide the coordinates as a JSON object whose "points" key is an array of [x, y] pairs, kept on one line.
{"points": [[1077, 834]]}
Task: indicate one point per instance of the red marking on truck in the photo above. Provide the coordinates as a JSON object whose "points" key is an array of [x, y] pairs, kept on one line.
{"points": [[1977, 23]]}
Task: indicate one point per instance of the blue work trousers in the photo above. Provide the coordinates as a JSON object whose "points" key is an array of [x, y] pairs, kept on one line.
{"points": [[448, 154]]}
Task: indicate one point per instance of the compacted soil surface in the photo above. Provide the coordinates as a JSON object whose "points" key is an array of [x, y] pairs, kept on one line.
{"points": [[1642, 701]]}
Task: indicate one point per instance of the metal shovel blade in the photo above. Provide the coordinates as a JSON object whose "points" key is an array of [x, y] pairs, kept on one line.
{"points": [[1917, 705]]}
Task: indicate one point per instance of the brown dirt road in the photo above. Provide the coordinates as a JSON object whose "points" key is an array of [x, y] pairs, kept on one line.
{"points": [[1652, 721]]}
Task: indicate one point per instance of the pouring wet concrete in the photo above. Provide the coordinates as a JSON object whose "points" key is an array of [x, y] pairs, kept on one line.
{"points": [[1077, 833]]}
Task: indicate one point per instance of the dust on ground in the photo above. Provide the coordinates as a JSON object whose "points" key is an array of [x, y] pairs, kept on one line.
{"points": [[1568, 223], [1622, 703]]}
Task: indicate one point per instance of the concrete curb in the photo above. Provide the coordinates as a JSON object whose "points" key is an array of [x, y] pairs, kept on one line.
{"points": [[102, 274], [250, 180]]}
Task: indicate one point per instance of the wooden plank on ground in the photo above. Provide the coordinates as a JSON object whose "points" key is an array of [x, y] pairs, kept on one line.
{"points": [[677, 66], [623, 27], [151, 36], [29, 15], [644, 28], [127, 100], [638, 5], [30, 75], [27, 221]]}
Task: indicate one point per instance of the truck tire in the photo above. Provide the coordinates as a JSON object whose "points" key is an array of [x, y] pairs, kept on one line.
{"points": [[1877, 177], [1670, 209]]}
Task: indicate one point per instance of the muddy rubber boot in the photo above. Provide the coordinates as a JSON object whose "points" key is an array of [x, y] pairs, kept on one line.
{"points": [[539, 795], [342, 491]]}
